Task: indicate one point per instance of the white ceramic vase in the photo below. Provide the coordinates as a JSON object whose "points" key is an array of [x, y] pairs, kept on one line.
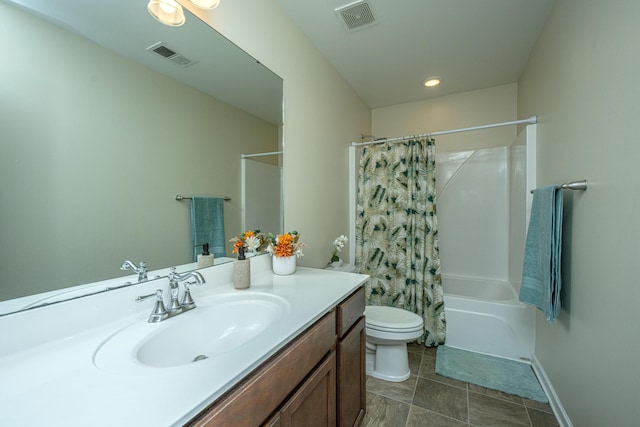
{"points": [[283, 266]]}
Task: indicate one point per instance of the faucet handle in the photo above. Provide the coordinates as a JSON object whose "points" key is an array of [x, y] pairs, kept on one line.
{"points": [[142, 274], [159, 312], [187, 302]]}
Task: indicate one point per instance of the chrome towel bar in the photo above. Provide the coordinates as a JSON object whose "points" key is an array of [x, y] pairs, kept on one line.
{"points": [[180, 198], [575, 185]]}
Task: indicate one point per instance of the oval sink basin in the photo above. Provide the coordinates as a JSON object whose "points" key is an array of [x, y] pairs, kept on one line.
{"points": [[224, 324]]}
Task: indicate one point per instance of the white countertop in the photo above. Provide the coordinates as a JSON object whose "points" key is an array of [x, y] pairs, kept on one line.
{"points": [[47, 355]]}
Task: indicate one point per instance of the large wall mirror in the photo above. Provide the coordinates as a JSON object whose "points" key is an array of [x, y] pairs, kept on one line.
{"points": [[99, 134]]}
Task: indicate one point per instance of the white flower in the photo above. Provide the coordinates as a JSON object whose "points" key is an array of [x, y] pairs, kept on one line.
{"points": [[252, 243], [340, 242]]}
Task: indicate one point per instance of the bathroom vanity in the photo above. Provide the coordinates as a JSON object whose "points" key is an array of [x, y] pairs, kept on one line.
{"points": [[318, 379], [97, 361]]}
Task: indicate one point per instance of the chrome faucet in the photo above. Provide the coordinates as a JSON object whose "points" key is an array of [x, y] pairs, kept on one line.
{"points": [[175, 307], [142, 270], [187, 303]]}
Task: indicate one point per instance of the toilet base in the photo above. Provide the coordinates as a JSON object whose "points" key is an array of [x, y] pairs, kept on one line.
{"points": [[388, 363]]}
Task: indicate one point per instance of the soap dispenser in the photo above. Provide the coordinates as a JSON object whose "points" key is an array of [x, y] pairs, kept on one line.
{"points": [[205, 259], [241, 271]]}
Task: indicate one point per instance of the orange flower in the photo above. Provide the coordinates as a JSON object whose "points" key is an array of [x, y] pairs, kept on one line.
{"points": [[285, 239], [285, 245], [236, 245]]}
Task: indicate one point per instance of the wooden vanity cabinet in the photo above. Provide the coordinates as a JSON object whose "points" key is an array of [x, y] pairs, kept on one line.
{"points": [[314, 381]]}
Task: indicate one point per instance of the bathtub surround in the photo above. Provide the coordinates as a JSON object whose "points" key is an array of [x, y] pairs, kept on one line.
{"points": [[482, 197], [397, 234], [261, 192], [541, 275], [495, 373]]}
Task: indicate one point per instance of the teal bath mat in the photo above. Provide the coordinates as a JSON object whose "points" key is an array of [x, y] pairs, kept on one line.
{"points": [[496, 373]]}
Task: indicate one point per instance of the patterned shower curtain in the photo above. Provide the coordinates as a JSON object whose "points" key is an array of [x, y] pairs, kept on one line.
{"points": [[396, 231]]}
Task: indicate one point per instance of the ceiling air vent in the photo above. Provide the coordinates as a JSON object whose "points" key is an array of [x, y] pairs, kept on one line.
{"points": [[356, 16], [167, 53]]}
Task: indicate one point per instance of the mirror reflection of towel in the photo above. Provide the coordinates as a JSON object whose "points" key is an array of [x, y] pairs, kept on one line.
{"points": [[207, 225], [541, 275]]}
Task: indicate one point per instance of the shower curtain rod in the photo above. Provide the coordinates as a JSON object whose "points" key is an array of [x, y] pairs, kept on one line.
{"points": [[246, 156], [531, 120]]}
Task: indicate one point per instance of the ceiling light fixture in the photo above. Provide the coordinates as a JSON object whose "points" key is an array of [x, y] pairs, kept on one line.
{"points": [[206, 4], [432, 82], [167, 12]]}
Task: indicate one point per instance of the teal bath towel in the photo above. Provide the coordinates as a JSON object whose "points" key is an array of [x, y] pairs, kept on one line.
{"points": [[541, 281], [207, 225]]}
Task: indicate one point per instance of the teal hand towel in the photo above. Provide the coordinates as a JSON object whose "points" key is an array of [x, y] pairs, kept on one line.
{"points": [[541, 275], [207, 225]]}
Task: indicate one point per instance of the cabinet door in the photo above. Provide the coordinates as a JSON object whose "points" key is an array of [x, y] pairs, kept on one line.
{"points": [[314, 402], [274, 421], [351, 376], [260, 395]]}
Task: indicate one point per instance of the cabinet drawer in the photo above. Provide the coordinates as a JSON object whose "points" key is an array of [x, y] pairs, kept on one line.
{"points": [[349, 311], [254, 400]]}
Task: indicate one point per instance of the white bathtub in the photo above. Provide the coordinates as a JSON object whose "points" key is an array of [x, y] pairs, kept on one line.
{"points": [[485, 315]]}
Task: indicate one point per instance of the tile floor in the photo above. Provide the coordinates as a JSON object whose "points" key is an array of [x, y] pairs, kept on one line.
{"points": [[430, 400]]}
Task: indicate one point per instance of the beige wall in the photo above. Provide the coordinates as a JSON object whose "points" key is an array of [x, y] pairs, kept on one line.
{"points": [[94, 149], [582, 82], [322, 115], [474, 108]]}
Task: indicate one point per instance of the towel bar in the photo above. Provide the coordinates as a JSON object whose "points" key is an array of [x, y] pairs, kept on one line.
{"points": [[574, 185], [179, 198]]}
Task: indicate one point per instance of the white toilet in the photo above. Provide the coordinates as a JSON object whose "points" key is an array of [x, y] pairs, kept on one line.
{"points": [[388, 331]]}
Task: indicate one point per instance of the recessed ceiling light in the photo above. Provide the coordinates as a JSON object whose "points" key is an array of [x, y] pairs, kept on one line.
{"points": [[432, 82], [206, 4], [168, 12]]}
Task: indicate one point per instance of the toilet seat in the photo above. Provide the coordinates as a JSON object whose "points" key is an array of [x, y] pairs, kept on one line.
{"points": [[397, 330], [391, 319]]}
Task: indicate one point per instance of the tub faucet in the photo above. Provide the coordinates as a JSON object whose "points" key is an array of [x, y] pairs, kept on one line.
{"points": [[142, 270], [187, 303]]}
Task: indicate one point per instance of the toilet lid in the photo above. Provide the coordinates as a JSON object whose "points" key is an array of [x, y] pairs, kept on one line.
{"points": [[391, 318]]}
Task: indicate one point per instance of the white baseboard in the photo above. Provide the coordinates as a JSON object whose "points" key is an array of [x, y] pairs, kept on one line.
{"points": [[554, 401]]}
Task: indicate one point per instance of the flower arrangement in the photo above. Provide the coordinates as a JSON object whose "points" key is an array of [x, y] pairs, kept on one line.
{"points": [[249, 241], [285, 245], [338, 244]]}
